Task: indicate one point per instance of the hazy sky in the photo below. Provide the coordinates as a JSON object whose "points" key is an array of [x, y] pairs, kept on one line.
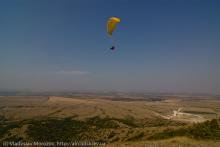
{"points": [[162, 45]]}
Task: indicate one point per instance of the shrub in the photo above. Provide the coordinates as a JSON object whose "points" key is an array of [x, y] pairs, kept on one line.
{"points": [[205, 130]]}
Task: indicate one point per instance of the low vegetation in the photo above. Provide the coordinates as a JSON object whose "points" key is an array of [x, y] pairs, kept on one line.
{"points": [[56, 129], [6, 126], [205, 130], [101, 123], [159, 122], [107, 129]]}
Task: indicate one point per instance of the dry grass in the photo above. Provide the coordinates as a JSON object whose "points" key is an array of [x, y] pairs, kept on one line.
{"points": [[18, 108], [150, 114], [174, 142]]}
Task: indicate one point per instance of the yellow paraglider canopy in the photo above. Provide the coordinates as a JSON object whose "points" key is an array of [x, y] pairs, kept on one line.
{"points": [[111, 25]]}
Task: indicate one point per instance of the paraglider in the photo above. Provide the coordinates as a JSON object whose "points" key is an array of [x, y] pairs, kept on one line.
{"points": [[112, 48], [111, 26]]}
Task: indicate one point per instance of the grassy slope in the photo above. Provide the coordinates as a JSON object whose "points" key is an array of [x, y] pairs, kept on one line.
{"points": [[173, 142], [110, 130]]}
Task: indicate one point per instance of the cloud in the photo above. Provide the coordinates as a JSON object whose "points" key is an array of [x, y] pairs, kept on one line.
{"points": [[71, 72]]}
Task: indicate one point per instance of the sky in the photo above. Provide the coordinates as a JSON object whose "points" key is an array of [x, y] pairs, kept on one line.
{"points": [[161, 45]]}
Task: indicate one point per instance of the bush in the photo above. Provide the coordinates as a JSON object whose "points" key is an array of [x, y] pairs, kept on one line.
{"points": [[7, 127], [67, 129], [101, 123], [56, 130], [205, 130]]}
